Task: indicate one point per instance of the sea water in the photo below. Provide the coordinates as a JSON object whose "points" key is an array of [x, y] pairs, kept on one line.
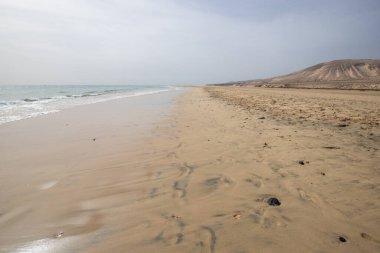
{"points": [[25, 101]]}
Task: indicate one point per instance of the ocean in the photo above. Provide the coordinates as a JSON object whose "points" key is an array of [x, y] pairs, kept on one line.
{"points": [[26, 101]]}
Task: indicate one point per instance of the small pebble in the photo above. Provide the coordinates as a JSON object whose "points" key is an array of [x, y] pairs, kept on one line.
{"points": [[331, 147], [301, 162], [342, 239], [237, 216], [366, 236], [59, 235], [323, 174], [273, 202]]}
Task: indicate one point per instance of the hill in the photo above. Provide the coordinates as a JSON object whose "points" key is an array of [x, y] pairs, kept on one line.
{"points": [[339, 74]]}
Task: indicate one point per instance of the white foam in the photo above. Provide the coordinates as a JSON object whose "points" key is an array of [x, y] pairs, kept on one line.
{"points": [[18, 110]]}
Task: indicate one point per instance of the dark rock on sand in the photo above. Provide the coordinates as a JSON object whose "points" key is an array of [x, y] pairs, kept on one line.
{"points": [[331, 147], [342, 239], [302, 162], [273, 202], [237, 216], [59, 234]]}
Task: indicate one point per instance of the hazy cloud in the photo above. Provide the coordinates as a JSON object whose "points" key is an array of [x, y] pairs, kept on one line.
{"points": [[178, 41]]}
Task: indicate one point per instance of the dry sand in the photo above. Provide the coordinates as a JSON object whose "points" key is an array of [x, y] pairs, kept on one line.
{"points": [[199, 181]]}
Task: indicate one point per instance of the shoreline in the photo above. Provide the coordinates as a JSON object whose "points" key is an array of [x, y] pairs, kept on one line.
{"points": [[49, 164], [201, 179], [33, 105]]}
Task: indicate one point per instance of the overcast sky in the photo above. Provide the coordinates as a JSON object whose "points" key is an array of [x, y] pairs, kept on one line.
{"points": [[178, 41]]}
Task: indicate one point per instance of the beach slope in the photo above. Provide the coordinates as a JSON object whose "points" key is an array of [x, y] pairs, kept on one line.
{"points": [[231, 170]]}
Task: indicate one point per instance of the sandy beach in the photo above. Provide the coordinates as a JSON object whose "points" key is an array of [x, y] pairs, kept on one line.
{"points": [[197, 174], [166, 126]]}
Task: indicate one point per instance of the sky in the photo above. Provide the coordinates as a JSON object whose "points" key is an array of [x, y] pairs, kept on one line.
{"points": [[178, 41]]}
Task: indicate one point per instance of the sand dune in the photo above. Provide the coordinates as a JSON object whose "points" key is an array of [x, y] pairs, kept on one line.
{"points": [[339, 74]]}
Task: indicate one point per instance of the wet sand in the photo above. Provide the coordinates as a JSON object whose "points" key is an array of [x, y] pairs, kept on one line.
{"points": [[199, 180]]}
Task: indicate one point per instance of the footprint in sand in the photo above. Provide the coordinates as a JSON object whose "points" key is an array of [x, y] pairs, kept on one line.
{"points": [[264, 214], [157, 174], [153, 192], [180, 188], [186, 170], [208, 239], [172, 232], [172, 155], [255, 180], [272, 222], [305, 196], [265, 220], [213, 184]]}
